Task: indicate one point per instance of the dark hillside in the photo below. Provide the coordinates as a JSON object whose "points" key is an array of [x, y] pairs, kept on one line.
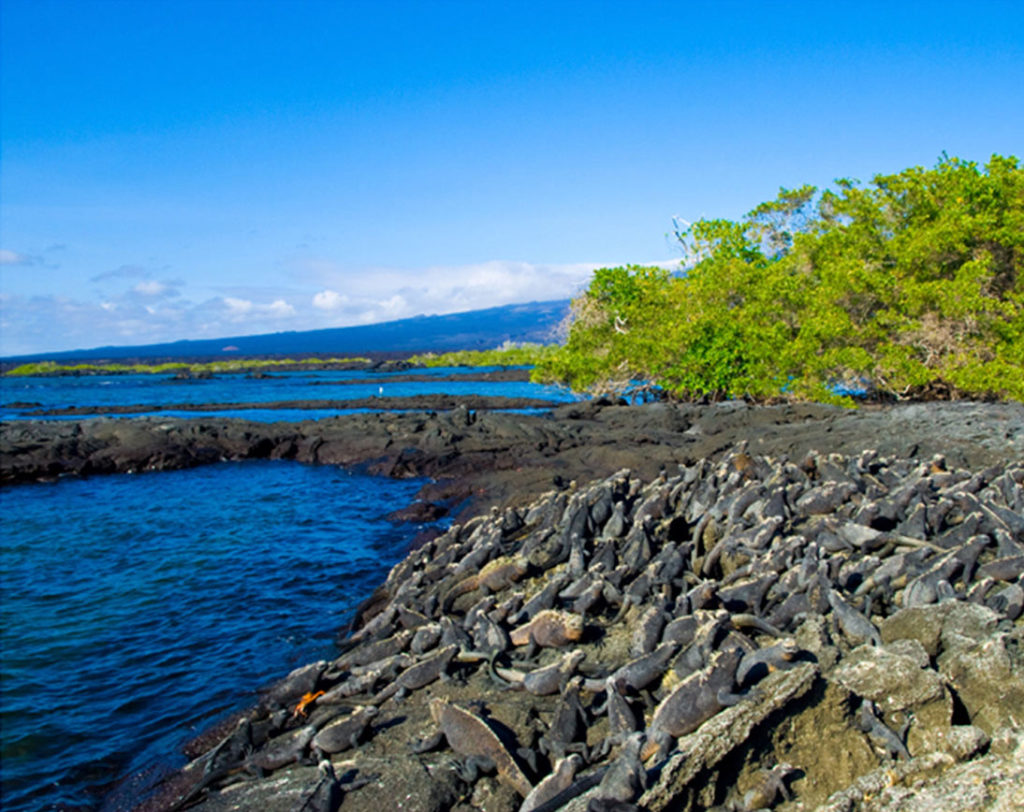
{"points": [[472, 330]]}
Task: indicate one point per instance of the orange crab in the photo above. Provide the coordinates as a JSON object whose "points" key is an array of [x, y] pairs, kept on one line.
{"points": [[307, 700]]}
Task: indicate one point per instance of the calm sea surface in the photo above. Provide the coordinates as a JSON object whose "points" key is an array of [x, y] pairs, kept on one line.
{"points": [[138, 609], [18, 396]]}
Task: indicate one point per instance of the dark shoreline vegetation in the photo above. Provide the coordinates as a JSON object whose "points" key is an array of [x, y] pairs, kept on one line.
{"points": [[889, 591]]}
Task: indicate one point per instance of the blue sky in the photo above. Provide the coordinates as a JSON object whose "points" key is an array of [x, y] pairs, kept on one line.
{"points": [[201, 169]]}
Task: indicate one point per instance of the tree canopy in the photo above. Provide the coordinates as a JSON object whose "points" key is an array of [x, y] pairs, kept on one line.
{"points": [[910, 286]]}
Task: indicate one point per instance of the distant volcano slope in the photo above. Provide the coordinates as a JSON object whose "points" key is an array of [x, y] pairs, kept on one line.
{"points": [[472, 330]]}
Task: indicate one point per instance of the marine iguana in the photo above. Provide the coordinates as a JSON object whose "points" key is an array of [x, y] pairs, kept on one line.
{"points": [[346, 733], [626, 778], [546, 680], [282, 750], [648, 628], [488, 636], [691, 703], [598, 589], [426, 637], [770, 785], [622, 721], [568, 729], [470, 735], [327, 795], [550, 628], [854, 625], [881, 735], [560, 779], [495, 576], [758, 664], [705, 641], [638, 673], [414, 677], [376, 650], [544, 599]]}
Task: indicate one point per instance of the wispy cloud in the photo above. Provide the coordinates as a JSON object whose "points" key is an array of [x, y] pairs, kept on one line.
{"points": [[380, 294], [123, 272], [156, 310], [153, 288], [8, 257], [243, 309], [40, 324]]}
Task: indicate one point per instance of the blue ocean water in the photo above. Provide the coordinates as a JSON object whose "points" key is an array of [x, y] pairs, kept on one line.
{"points": [[99, 391], [138, 609]]}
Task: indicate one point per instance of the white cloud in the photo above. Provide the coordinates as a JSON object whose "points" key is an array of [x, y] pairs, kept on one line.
{"points": [[8, 257], [449, 289], [390, 309], [39, 324], [396, 304], [243, 309], [151, 287], [153, 311], [371, 294], [238, 307], [387, 293], [280, 308], [329, 300]]}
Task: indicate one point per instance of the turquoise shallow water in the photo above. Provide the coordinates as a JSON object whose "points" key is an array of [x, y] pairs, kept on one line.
{"points": [[137, 609]]}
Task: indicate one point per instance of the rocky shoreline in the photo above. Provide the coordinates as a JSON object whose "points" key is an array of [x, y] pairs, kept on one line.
{"points": [[833, 632], [644, 607], [483, 459], [410, 403]]}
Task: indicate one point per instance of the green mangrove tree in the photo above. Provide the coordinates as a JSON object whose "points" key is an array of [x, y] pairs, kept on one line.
{"points": [[909, 286]]}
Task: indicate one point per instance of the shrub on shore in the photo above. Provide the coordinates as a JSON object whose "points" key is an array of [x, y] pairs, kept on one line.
{"points": [[210, 367], [911, 286], [508, 355]]}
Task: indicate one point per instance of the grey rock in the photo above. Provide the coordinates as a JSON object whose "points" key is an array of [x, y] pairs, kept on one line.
{"points": [[897, 680], [960, 741], [988, 681], [921, 623], [966, 625]]}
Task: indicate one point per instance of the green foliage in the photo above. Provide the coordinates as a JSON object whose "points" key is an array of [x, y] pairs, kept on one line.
{"points": [[508, 355], [212, 367], [38, 368], [910, 286]]}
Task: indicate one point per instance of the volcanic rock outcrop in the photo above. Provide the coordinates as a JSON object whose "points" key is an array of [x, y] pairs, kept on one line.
{"points": [[840, 632], [481, 459]]}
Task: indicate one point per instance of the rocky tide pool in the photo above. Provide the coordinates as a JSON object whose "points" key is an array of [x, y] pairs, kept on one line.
{"points": [[137, 609]]}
